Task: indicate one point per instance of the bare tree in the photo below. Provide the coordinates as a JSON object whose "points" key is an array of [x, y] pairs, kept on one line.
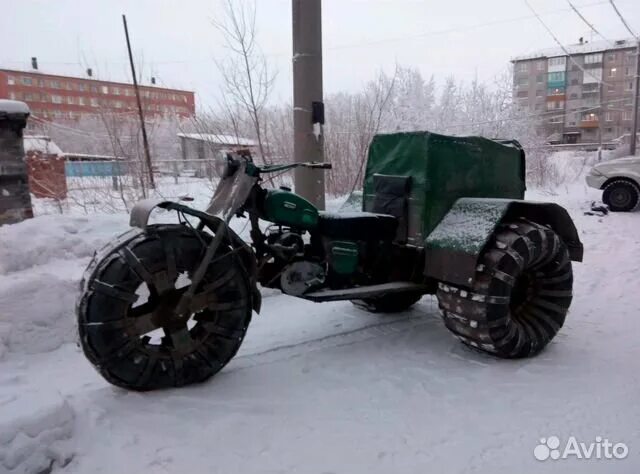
{"points": [[247, 79]]}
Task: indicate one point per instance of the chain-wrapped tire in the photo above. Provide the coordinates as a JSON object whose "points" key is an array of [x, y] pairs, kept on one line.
{"points": [[519, 297], [392, 303], [127, 324]]}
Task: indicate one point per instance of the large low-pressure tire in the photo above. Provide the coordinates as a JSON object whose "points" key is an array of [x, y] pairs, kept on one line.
{"points": [[392, 303], [126, 320], [520, 294], [621, 196]]}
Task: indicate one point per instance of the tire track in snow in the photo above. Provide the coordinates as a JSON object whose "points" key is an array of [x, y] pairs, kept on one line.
{"points": [[346, 338]]}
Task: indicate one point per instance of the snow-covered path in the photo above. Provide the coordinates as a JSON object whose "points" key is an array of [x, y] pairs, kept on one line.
{"points": [[329, 388]]}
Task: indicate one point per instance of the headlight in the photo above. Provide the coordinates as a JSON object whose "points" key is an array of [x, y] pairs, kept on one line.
{"points": [[595, 172]]}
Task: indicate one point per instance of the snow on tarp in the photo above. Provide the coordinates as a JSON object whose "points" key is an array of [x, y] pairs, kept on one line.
{"points": [[13, 107]]}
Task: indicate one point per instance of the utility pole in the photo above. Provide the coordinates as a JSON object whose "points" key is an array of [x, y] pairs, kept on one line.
{"points": [[636, 99], [308, 108], [145, 141]]}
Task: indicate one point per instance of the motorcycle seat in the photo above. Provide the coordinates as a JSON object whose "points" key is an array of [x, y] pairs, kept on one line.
{"points": [[357, 225]]}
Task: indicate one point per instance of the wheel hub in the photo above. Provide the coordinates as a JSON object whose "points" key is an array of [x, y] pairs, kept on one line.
{"points": [[620, 197], [164, 312]]}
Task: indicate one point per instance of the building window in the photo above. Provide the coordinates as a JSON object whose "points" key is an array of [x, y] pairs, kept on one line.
{"points": [[540, 65], [128, 92], [522, 67], [81, 101], [608, 117], [54, 84], [118, 104], [11, 80], [184, 99], [12, 96], [104, 89], [56, 99], [556, 77], [612, 72], [626, 115], [589, 117], [611, 88], [70, 100], [82, 87], [115, 91], [540, 78], [94, 102], [629, 86], [69, 86], [556, 119], [26, 81], [94, 89], [559, 61], [611, 56], [539, 93], [594, 58], [522, 94]]}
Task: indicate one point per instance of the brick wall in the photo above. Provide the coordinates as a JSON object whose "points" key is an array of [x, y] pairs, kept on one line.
{"points": [[46, 175]]}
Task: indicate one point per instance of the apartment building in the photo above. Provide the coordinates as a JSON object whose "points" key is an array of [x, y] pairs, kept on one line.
{"points": [[583, 97], [53, 97]]}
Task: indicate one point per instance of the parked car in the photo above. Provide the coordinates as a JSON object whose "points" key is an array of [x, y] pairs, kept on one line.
{"points": [[620, 181]]}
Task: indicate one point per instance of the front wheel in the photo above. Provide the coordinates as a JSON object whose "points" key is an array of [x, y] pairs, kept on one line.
{"points": [[128, 327], [519, 297], [621, 196]]}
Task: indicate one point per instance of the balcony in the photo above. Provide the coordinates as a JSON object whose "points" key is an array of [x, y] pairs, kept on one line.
{"points": [[589, 123]]}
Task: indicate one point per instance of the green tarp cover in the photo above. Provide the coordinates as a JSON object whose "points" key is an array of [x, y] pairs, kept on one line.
{"points": [[444, 169]]}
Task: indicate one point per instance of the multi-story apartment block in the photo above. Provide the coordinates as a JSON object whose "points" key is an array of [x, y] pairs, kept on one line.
{"points": [[583, 97], [52, 97]]}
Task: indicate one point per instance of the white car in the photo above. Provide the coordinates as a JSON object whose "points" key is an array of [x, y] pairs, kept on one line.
{"points": [[620, 181]]}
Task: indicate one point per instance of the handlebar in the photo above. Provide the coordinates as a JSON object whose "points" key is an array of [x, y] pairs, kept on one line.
{"points": [[289, 166], [315, 164]]}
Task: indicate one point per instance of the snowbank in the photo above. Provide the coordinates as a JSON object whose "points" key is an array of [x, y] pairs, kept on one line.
{"points": [[54, 237]]}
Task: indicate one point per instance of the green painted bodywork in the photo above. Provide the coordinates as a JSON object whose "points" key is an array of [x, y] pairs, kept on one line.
{"points": [[286, 208], [343, 257], [444, 169]]}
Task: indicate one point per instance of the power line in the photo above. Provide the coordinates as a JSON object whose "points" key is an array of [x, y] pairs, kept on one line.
{"points": [[555, 38], [624, 22], [593, 28]]}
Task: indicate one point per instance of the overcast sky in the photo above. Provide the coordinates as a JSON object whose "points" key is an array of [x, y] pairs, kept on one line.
{"points": [[175, 41]]}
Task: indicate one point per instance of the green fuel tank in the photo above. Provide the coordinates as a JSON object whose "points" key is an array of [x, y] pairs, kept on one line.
{"points": [[283, 207]]}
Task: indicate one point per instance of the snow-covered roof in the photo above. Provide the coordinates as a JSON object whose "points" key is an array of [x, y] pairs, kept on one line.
{"points": [[220, 139], [42, 144], [580, 48], [13, 107]]}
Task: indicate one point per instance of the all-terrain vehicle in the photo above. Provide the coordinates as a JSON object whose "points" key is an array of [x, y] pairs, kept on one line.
{"points": [[167, 305]]}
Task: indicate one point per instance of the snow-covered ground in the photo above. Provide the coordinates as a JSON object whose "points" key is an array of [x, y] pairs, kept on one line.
{"points": [[322, 388]]}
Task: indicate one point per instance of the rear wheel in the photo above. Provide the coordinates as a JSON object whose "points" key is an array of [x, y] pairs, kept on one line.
{"points": [[128, 327], [391, 303], [520, 295], [621, 196]]}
